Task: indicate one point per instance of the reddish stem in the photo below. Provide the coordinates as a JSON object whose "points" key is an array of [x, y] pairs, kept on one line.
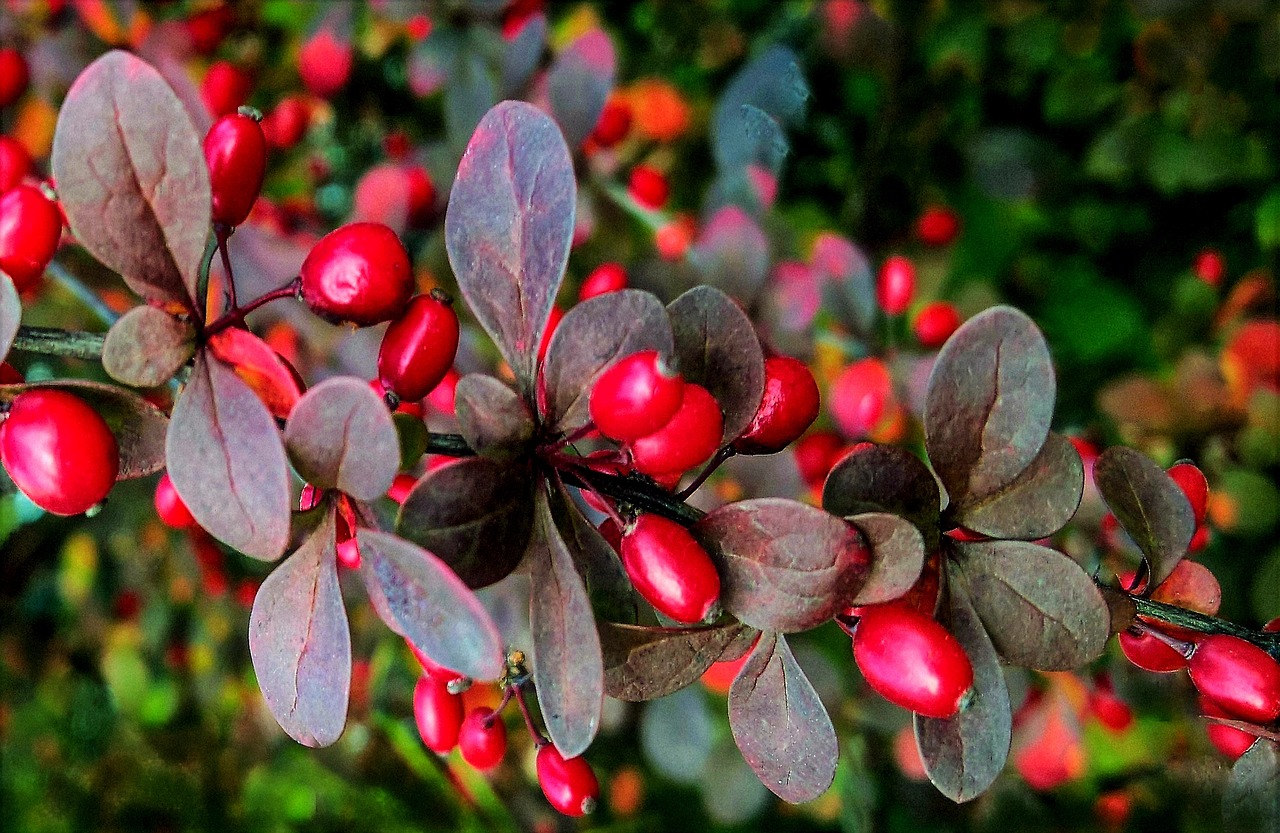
{"points": [[716, 462], [237, 316], [538, 738], [223, 233]]}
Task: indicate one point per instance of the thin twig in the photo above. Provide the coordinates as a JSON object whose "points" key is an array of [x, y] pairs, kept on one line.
{"points": [[54, 342]]}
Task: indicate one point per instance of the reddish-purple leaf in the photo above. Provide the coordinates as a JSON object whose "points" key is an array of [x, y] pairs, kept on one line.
{"points": [[139, 427], [492, 417], [989, 403], [784, 566], [780, 725], [522, 52], [849, 288], [1251, 802], [340, 436], [508, 228], [716, 347], [1036, 504], [579, 83], [885, 478], [612, 596], [132, 177], [259, 367], [147, 346], [963, 754], [10, 314], [1149, 505], [592, 336], [300, 642], [227, 461], [1041, 609], [732, 254], [474, 514], [568, 669], [897, 556], [421, 599], [645, 663]]}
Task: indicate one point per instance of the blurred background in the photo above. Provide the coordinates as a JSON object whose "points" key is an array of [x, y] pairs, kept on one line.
{"points": [[1109, 167]]}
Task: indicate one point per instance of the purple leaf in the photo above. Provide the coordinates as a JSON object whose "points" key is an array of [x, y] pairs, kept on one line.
{"points": [[147, 346], [340, 436], [963, 754], [132, 177], [1251, 802], [989, 403], [784, 566], [1149, 505], [645, 663], [139, 427], [732, 254], [227, 462], [579, 82], [612, 596], [1036, 504], [780, 725], [569, 671], [885, 478], [897, 556], [508, 228], [522, 52], [772, 83], [421, 599], [300, 642], [849, 289], [10, 314], [716, 347], [592, 336], [492, 417], [474, 514], [1041, 609]]}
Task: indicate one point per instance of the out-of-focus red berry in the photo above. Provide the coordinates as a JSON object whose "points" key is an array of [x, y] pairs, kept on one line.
{"points": [[935, 323], [225, 87], [614, 123], [648, 186], [607, 277], [1210, 266], [324, 62], [13, 76], [938, 226], [896, 284], [15, 163], [816, 453]]}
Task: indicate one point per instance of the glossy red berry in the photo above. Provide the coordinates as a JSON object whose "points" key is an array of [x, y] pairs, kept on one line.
{"points": [[438, 713], [225, 87], [58, 451], [13, 76], [483, 738], [1210, 266], [688, 439], [938, 226], [15, 163], [648, 186], [896, 285], [419, 347], [635, 396], [169, 505], [670, 569], [30, 228], [1237, 676], [816, 453], [614, 123], [235, 150], [358, 273], [1228, 740], [1192, 482], [935, 323], [911, 660], [568, 783], [607, 277], [324, 62], [1150, 654], [787, 409]]}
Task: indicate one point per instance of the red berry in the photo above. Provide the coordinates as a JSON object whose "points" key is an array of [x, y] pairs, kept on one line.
{"points": [[670, 569], [30, 228], [438, 714], [688, 439], [13, 76], [1210, 267], [553, 321], [225, 88], [673, 239], [789, 406], [860, 396], [419, 347], [422, 196], [285, 125], [1110, 710], [816, 454], [358, 273], [1228, 740], [896, 285], [1150, 654], [432, 668], [935, 323], [58, 451], [614, 124], [169, 505], [607, 277], [401, 486], [9, 375], [635, 396], [442, 397], [911, 660], [1273, 626], [648, 187], [208, 28], [938, 226], [236, 152], [568, 783], [1193, 484], [324, 62], [15, 163], [1238, 676], [483, 739]]}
